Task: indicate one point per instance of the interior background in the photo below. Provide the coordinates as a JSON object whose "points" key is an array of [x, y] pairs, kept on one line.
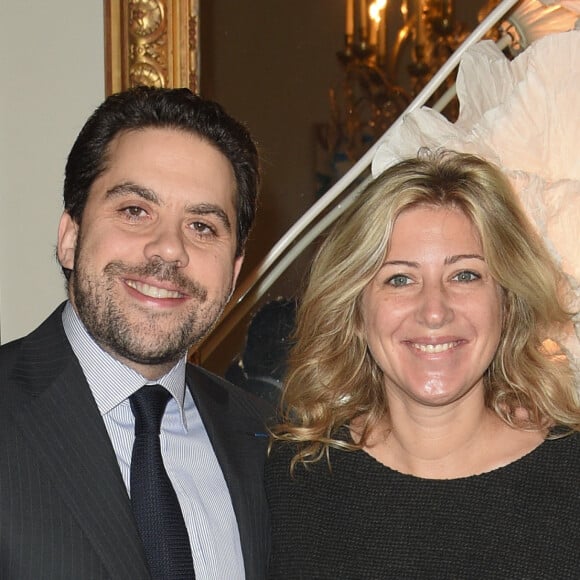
{"points": [[269, 62]]}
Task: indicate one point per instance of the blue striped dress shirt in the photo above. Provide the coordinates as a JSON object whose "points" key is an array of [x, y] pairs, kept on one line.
{"points": [[185, 446]]}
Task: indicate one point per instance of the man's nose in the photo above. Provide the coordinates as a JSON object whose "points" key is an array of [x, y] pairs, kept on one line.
{"points": [[168, 244]]}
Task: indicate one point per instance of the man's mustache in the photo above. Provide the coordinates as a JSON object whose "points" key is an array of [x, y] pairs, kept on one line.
{"points": [[161, 271]]}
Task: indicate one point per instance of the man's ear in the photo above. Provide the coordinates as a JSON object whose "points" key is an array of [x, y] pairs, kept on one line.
{"points": [[68, 231], [237, 267]]}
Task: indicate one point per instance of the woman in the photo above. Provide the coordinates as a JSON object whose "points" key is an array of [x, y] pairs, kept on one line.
{"points": [[428, 431]]}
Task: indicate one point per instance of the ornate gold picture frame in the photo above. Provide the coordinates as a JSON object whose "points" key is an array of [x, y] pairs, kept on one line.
{"points": [[151, 42]]}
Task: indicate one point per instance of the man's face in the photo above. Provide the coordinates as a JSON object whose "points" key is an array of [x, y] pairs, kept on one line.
{"points": [[153, 259]]}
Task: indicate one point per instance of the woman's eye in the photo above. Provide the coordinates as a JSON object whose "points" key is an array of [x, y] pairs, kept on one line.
{"points": [[466, 276], [398, 280]]}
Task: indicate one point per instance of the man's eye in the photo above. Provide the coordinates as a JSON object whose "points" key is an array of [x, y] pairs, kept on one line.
{"points": [[134, 211], [466, 276], [202, 228], [398, 280]]}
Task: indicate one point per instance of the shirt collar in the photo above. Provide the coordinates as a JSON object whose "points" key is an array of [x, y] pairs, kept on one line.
{"points": [[110, 381]]}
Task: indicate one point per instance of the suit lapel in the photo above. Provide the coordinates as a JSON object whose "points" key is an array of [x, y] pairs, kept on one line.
{"points": [[59, 418], [239, 443]]}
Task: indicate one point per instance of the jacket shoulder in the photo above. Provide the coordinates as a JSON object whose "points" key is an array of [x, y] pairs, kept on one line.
{"points": [[9, 353], [224, 389]]}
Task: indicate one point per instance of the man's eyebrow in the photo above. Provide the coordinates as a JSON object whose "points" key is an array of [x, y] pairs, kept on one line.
{"points": [[211, 209], [199, 209], [458, 257], [128, 187]]}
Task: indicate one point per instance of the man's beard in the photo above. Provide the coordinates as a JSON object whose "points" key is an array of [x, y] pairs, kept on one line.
{"points": [[148, 341]]}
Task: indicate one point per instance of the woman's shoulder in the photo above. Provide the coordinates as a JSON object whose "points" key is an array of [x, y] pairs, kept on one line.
{"points": [[285, 458], [279, 459], [282, 451], [562, 446], [556, 462], [280, 475]]}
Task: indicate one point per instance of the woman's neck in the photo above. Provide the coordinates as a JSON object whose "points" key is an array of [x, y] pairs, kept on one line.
{"points": [[458, 440]]}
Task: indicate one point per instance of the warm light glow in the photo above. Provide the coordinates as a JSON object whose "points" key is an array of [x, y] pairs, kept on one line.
{"points": [[363, 20], [375, 9], [420, 29], [349, 26], [553, 349]]}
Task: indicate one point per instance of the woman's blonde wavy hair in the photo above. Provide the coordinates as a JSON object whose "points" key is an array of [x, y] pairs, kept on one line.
{"points": [[332, 377]]}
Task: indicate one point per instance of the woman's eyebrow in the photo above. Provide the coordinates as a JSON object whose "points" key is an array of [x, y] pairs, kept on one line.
{"points": [[401, 263], [458, 257]]}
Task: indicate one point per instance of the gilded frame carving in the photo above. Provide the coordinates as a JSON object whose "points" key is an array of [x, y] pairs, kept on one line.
{"points": [[151, 42]]}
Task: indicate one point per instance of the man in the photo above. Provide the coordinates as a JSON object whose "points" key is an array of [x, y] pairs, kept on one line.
{"points": [[160, 193]]}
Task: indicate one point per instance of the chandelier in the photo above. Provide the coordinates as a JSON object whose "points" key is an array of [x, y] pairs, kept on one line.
{"points": [[392, 48], [372, 93]]}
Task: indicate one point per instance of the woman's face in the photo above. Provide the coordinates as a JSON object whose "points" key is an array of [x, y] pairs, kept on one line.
{"points": [[433, 313]]}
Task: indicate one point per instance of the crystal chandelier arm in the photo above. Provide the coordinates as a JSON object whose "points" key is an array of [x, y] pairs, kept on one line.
{"points": [[402, 37]]}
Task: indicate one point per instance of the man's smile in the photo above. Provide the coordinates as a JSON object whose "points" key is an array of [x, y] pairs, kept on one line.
{"points": [[153, 291]]}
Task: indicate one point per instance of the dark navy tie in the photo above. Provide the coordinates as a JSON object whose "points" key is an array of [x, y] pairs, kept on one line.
{"points": [[157, 512]]}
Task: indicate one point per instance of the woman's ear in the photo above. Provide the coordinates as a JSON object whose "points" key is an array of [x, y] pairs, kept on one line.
{"points": [[67, 241]]}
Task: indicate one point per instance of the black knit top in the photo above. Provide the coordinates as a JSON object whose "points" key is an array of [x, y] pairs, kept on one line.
{"points": [[362, 520]]}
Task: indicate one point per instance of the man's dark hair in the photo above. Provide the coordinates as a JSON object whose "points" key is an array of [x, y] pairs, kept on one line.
{"points": [[146, 107]]}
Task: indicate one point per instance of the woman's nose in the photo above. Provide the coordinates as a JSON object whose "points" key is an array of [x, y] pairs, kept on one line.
{"points": [[435, 308]]}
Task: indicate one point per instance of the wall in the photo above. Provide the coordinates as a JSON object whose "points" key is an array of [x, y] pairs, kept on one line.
{"points": [[53, 77], [272, 68]]}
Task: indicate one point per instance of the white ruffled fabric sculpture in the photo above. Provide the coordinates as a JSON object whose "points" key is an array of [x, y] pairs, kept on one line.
{"points": [[523, 115]]}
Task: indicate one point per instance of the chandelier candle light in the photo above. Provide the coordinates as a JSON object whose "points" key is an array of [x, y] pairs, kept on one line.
{"points": [[371, 28]]}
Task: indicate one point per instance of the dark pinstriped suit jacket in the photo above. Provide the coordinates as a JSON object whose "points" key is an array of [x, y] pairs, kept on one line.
{"points": [[64, 510]]}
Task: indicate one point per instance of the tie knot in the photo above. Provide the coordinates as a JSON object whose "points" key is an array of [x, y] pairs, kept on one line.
{"points": [[148, 405]]}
